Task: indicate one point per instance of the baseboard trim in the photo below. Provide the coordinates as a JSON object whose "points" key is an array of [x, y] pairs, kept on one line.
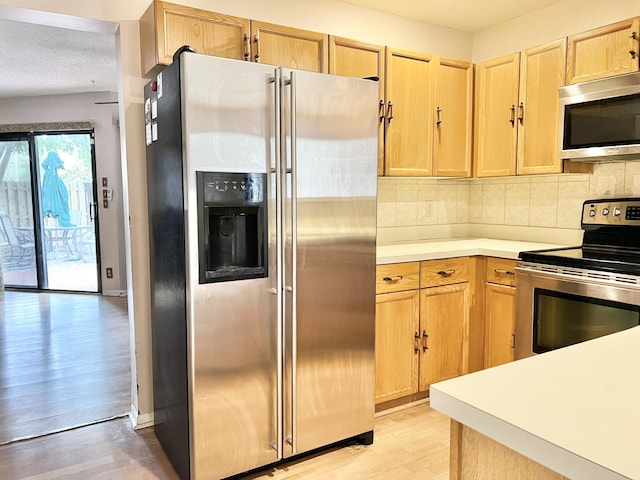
{"points": [[139, 420], [114, 293]]}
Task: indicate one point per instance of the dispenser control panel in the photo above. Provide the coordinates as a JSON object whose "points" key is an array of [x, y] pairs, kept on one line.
{"points": [[232, 187]]}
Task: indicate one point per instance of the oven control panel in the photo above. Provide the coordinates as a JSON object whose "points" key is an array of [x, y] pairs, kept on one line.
{"points": [[623, 211]]}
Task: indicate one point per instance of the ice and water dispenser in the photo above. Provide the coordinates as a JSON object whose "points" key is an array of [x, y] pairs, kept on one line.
{"points": [[232, 226]]}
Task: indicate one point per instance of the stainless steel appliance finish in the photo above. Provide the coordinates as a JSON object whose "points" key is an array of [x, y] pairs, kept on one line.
{"points": [[284, 364], [598, 119], [599, 303], [568, 295]]}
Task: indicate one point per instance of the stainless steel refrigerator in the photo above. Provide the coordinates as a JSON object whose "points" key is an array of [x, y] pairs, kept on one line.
{"points": [[262, 206]]}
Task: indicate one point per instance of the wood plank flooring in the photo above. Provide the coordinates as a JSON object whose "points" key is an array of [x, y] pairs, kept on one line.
{"points": [[408, 444], [64, 361]]}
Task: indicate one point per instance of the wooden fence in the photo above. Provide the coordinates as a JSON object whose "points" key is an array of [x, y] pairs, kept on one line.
{"points": [[15, 200]]}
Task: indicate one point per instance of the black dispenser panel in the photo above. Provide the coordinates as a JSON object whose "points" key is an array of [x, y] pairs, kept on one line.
{"points": [[232, 226]]}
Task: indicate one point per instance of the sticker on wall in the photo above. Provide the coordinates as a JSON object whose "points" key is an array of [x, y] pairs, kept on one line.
{"points": [[154, 131]]}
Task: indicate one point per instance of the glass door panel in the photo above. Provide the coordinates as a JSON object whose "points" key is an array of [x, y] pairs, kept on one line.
{"points": [[17, 230], [67, 200]]}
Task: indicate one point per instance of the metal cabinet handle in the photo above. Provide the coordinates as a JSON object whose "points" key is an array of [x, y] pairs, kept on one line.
{"points": [[389, 111], [633, 36], [632, 53], [446, 273], [513, 115], [416, 339], [425, 341], [505, 272], [381, 111], [395, 278], [438, 111], [521, 113], [256, 40], [247, 46], [513, 340]]}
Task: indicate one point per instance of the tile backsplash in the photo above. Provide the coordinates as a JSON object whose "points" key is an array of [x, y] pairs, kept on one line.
{"points": [[534, 201]]}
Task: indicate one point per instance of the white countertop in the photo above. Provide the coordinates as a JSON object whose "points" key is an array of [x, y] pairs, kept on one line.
{"points": [[575, 410], [455, 247]]}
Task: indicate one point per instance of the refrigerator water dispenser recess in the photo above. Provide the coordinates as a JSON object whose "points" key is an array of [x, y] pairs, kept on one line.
{"points": [[232, 226]]}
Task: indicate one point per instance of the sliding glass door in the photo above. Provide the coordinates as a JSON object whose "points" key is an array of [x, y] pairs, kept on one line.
{"points": [[55, 218], [17, 226]]}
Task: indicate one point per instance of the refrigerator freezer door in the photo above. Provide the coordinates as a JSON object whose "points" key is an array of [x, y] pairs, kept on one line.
{"points": [[234, 335], [330, 258]]}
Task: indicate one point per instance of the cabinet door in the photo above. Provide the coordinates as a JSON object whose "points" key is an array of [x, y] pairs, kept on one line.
{"points": [[289, 47], [444, 323], [165, 27], [500, 315], [453, 118], [409, 114], [496, 102], [397, 321], [351, 58], [542, 72], [603, 52]]}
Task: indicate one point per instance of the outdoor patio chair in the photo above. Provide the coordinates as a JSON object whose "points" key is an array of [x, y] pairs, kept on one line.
{"points": [[20, 245]]}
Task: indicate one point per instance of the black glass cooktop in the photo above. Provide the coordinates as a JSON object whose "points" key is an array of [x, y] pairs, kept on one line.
{"points": [[609, 260]]}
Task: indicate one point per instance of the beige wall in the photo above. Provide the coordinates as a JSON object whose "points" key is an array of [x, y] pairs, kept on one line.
{"points": [[556, 21], [104, 118]]}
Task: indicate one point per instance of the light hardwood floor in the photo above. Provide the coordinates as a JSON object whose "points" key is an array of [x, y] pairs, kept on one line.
{"points": [[64, 361], [409, 444]]}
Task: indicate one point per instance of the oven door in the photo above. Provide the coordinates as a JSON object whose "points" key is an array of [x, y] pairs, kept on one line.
{"points": [[557, 307]]}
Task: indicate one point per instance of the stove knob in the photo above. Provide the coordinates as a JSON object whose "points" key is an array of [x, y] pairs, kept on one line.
{"points": [[617, 212], [605, 211], [592, 213]]}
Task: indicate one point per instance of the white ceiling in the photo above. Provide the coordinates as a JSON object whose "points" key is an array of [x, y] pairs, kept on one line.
{"points": [[466, 15], [45, 60]]}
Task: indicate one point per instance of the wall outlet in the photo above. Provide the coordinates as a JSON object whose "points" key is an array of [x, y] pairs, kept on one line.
{"points": [[109, 272]]}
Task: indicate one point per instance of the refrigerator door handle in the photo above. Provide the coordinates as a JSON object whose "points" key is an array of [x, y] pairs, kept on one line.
{"points": [[279, 262], [291, 289]]}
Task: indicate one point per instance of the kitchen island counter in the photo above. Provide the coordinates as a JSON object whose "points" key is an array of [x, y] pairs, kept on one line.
{"points": [[574, 410], [455, 247]]}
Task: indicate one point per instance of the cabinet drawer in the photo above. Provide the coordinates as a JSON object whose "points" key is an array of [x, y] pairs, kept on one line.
{"points": [[501, 271], [396, 277], [434, 273]]}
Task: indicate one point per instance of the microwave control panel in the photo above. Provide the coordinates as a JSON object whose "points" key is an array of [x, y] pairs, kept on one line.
{"points": [[625, 211]]}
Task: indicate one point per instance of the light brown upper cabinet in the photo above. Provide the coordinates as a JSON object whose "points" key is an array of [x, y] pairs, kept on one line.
{"points": [[603, 52], [496, 100], [408, 111], [541, 74], [453, 118], [351, 58], [165, 27], [289, 47], [517, 112]]}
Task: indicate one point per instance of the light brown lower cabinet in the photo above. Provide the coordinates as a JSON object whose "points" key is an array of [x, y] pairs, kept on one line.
{"points": [[397, 318], [499, 318], [499, 312], [421, 333], [444, 323], [474, 455]]}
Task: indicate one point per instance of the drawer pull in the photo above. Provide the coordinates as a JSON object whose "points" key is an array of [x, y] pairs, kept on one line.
{"points": [[416, 340], [506, 272], [446, 273], [513, 340], [395, 278]]}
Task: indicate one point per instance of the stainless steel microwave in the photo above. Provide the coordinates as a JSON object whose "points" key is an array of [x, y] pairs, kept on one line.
{"points": [[600, 119]]}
